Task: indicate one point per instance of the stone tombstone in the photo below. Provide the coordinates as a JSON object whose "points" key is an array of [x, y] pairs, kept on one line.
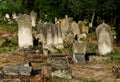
{"points": [[14, 16], [75, 28], [39, 35], [33, 17], [55, 34], [7, 17], [24, 68], [85, 26], [104, 37], [25, 38], [48, 38], [79, 50], [64, 25], [58, 36]]}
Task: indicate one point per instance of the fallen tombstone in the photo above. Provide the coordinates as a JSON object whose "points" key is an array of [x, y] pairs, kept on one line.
{"points": [[99, 59], [62, 73], [20, 69], [60, 67]]}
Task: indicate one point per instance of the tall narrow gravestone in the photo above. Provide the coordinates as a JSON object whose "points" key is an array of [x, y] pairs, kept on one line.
{"points": [[58, 36], [48, 38], [105, 40], [25, 38], [33, 17]]}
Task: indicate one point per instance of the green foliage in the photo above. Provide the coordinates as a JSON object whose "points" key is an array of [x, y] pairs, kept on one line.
{"points": [[9, 6], [8, 43], [9, 27], [115, 56]]}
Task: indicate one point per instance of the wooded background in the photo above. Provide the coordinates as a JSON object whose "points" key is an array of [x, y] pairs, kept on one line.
{"points": [[105, 10]]}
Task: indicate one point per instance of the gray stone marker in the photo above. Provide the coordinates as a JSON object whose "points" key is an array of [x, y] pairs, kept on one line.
{"points": [[33, 17], [14, 16], [25, 38], [48, 38], [75, 28], [104, 37], [59, 36], [20, 69], [39, 35], [79, 51], [64, 25]]}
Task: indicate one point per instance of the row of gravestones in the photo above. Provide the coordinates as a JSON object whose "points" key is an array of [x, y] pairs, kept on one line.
{"points": [[52, 35]]}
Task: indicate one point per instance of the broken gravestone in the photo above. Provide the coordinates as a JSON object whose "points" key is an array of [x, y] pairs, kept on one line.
{"points": [[104, 37], [79, 50], [20, 69], [60, 67], [25, 38]]}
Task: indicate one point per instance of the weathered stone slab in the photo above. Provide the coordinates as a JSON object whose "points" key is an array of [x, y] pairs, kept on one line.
{"points": [[99, 59], [59, 43], [20, 69], [75, 28], [79, 58], [25, 38], [79, 47], [104, 37], [14, 16]]}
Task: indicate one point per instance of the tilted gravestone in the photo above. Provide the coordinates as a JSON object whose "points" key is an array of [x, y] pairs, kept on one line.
{"points": [[104, 37], [33, 17], [79, 50], [25, 38]]}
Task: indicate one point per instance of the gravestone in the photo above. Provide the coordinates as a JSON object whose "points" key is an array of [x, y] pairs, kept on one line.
{"points": [[79, 50], [24, 68], [25, 38], [85, 26], [39, 35], [104, 37], [7, 18], [59, 36], [14, 16], [64, 25], [33, 16], [48, 38], [75, 28]]}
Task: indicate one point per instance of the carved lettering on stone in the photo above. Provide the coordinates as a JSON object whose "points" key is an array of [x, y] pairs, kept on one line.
{"points": [[104, 37], [25, 38]]}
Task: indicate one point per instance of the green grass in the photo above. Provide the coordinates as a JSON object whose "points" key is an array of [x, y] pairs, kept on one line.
{"points": [[115, 57]]}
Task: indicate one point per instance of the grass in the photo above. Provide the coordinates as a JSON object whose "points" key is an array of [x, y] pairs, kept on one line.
{"points": [[115, 57]]}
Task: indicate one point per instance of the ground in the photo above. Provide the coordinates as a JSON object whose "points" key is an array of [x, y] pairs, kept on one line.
{"points": [[90, 72]]}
